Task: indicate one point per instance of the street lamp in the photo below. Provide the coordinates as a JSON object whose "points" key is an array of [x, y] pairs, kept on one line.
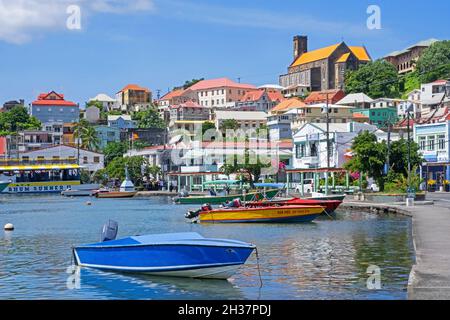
{"points": [[409, 109]]}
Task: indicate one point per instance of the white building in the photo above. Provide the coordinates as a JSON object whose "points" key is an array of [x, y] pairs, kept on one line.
{"points": [[357, 100], [108, 103], [89, 160], [220, 93], [310, 144]]}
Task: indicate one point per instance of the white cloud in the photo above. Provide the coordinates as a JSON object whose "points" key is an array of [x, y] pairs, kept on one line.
{"points": [[20, 20]]}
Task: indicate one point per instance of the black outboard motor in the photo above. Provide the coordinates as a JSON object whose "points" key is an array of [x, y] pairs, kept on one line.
{"points": [[191, 214], [109, 231]]}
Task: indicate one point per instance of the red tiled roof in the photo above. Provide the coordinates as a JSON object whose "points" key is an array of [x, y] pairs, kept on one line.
{"points": [[321, 96], [134, 87], [253, 95], [173, 94], [45, 100], [275, 96], [220, 83], [187, 104], [287, 105]]}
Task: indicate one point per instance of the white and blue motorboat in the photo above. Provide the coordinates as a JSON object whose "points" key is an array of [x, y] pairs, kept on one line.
{"points": [[178, 254]]}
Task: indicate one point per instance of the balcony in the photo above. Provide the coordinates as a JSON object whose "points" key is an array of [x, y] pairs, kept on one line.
{"points": [[311, 161]]}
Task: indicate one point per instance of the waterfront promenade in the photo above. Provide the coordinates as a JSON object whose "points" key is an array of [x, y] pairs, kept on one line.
{"points": [[430, 276]]}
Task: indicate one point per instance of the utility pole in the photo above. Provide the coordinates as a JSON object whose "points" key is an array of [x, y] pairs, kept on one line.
{"points": [[409, 147], [388, 160]]}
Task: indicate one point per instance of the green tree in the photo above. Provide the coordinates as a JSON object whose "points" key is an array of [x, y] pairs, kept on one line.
{"points": [[434, 64], [136, 166], [87, 134], [377, 79], [229, 124], [149, 119], [101, 176], [410, 82], [153, 171], [114, 150], [17, 119], [398, 156], [140, 144], [248, 167], [369, 157]]}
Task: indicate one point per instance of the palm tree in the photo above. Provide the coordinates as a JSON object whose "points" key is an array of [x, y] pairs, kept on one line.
{"points": [[87, 134]]}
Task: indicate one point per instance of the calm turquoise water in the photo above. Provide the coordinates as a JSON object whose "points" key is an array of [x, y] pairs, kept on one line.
{"points": [[323, 260]]}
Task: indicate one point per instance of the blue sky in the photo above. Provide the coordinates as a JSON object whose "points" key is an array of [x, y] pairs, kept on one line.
{"points": [[162, 43]]}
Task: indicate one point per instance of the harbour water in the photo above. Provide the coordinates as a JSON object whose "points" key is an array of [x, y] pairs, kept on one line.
{"points": [[327, 259]]}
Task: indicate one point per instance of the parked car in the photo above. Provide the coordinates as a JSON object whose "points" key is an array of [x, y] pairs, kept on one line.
{"points": [[308, 186]]}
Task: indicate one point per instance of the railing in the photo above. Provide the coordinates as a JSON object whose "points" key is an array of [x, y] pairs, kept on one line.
{"points": [[18, 162]]}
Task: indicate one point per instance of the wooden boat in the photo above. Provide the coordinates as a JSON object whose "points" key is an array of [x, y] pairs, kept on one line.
{"points": [[251, 196], [257, 214], [179, 255], [330, 205], [126, 190], [115, 194]]}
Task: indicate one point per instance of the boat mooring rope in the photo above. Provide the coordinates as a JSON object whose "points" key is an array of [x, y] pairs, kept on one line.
{"points": [[259, 269]]}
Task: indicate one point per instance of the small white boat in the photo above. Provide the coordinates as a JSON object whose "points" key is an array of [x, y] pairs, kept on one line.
{"points": [[82, 190]]}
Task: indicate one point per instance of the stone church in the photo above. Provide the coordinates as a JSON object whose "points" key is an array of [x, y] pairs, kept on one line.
{"points": [[322, 69]]}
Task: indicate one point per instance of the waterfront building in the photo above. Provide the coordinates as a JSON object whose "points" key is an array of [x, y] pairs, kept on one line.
{"points": [[357, 100], [433, 141], [134, 98], [88, 160], [246, 119], [35, 139], [310, 144], [107, 135], [405, 60], [188, 127], [51, 108], [220, 93], [259, 100], [324, 68], [68, 137], [122, 122], [108, 103]]}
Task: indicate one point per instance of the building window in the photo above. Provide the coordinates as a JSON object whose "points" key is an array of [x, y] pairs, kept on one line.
{"points": [[430, 144], [441, 142], [85, 160], [422, 143], [96, 159], [299, 151]]}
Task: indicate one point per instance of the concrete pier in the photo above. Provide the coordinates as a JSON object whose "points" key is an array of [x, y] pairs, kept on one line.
{"points": [[430, 276]]}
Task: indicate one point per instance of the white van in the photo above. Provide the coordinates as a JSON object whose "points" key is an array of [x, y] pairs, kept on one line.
{"points": [[308, 186]]}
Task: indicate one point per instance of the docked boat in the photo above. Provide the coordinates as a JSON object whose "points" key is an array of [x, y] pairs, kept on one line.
{"points": [[330, 205], [251, 196], [3, 185], [178, 254], [241, 214], [82, 190], [38, 176], [126, 190]]}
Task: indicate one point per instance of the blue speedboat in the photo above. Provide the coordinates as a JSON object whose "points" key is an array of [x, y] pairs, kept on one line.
{"points": [[178, 254]]}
